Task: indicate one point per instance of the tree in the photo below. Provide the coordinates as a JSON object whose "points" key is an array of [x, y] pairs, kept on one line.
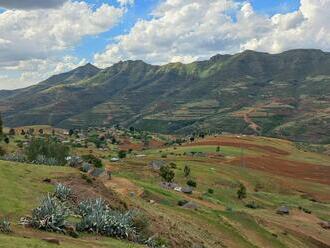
{"points": [[23, 132], [122, 154], [241, 192], [167, 174], [218, 148], [192, 183], [12, 131], [47, 148], [186, 171], [71, 132], [192, 139], [6, 140], [41, 131]]}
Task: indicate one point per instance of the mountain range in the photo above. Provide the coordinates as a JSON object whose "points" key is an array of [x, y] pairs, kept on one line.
{"points": [[282, 95]]}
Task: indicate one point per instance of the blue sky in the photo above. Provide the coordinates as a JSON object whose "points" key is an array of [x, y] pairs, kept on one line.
{"points": [[54, 36], [142, 9]]}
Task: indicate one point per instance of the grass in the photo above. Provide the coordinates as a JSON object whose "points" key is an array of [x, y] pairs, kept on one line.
{"points": [[22, 186]]}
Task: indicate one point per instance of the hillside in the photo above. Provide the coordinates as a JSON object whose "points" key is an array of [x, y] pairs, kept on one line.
{"points": [[214, 217], [283, 95]]}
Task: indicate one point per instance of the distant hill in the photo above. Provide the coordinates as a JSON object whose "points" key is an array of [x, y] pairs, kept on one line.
{"points": [[285, 94]]}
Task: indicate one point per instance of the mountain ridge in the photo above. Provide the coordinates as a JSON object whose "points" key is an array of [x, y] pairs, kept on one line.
{"points": [[282, 93]]}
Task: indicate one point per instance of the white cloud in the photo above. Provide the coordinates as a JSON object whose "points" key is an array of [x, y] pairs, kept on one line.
{"points": [[183, 30], [36, 37], [126, 2], [35, 70]]}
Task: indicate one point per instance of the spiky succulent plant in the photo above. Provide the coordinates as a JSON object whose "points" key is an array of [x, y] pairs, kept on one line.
{"points": [[5, 226], [50, 215], [62, 192], [97, 217]]}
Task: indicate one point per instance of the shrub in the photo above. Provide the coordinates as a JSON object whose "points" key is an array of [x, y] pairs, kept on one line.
{"points": [[50, 215], [241, 192], [2, 151], [5, 226], [49, 149], [173, 165], [62, 192], [186, 171], [98, 218], [192, 183], [42, 159], [166, 173], [252, 205], [12, 131], [210, 191], [92, 159], [15, 157], [122, 154]]}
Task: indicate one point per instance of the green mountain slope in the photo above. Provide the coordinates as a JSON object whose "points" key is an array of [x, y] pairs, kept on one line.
{"points": [[285, 94]]}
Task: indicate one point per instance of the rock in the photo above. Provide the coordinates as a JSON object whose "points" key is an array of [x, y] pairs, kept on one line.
{"points": [[47, 180], [325, 224], [98, 172], [190, 205], [187, 190], [167, 185], [182, 202], [283, 210], [52, 240], [151, 201], [132, 194], [86, 167]]}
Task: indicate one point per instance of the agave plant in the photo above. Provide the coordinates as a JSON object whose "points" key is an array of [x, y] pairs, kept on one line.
{"points": [[50, 215], [98, 218], [42, 159], [62, 192], [5, 226], [15, 157]]}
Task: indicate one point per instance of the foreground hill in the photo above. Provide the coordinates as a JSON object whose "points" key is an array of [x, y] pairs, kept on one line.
{"points": [[285, 94], [215, 218]]}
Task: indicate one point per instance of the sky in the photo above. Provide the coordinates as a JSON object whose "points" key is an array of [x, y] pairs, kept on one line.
{"points": [[40, 38]]}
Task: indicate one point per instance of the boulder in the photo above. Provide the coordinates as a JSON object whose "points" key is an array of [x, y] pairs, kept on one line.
{"points": [[187, 190], [283, 210], [98, 172], [190, 205], [325, 224]]}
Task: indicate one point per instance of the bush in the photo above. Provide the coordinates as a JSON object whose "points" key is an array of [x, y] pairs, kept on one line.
{"points": [[186, 171], [51, 150], [42, 159], [192, 183], [252, 205], [15, 157], [122, 154], [241, 192], [210, 191], [166, 173], [98, 218], [2, 151], [5, 226], [92, 159], [50, 215], [173, 165], [62, 192]]}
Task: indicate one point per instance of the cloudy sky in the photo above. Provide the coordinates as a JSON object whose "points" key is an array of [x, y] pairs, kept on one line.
{"points": [[39, 38]]}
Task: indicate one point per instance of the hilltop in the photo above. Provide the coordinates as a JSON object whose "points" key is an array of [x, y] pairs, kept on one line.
{"points": [[280, 95]]}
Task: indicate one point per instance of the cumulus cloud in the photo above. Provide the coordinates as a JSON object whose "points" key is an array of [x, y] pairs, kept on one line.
{"points": [[37, 37], [30, 4], [185, 30], [125, 2]]}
